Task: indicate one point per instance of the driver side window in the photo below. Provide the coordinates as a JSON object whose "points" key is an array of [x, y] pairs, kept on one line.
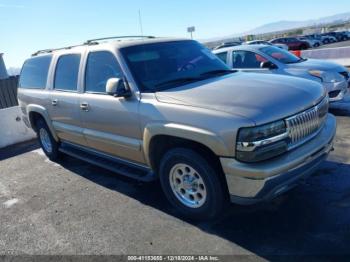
{"points": [[246, 59], [101, 66]]}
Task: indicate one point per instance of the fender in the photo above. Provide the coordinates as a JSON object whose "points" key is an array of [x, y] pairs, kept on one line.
{"points": [[43, 112], [202, 136]]}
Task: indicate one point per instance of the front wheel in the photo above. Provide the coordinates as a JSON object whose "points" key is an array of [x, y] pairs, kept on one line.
{"points": [[191, 184]]}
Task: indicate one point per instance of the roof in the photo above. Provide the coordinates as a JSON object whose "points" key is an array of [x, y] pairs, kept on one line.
{"points": [[241, 47], [117, 42]]}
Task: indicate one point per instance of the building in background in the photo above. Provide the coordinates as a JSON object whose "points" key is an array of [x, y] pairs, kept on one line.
{"points": [[3, 71]]}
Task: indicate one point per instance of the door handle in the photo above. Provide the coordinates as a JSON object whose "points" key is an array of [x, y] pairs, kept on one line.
{"points": [[84, 107], [54, 102]]}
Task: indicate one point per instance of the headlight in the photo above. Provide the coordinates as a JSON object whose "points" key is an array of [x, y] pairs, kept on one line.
{"points": [[262, 142], [327, 77]]}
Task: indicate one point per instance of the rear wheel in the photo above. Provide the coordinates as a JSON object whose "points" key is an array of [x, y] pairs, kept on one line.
{"points": [[191, 184], [48, 144]]}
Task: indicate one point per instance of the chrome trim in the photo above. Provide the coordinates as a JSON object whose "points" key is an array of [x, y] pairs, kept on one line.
{"points": [[251, 146], [306, 125], [300, 128]]}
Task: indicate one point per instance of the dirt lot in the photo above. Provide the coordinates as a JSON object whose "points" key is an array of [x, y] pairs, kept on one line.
{"points": [[72, 207]]}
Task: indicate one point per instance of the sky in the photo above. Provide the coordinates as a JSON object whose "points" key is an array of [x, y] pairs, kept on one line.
{"points": [[30, 25]]}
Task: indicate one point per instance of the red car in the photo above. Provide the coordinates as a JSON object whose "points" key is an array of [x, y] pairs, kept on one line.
{"points": [[292, 43]]}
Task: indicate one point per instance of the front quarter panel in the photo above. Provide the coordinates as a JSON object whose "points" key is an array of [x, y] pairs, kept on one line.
{"points": [[214, 129]]}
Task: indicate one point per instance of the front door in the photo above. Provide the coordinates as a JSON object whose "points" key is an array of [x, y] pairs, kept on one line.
{"points": [[248, 61], [111, 124]]}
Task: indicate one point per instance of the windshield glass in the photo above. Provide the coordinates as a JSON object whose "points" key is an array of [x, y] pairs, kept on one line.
{"points": [[281, 55], [165, 65]]}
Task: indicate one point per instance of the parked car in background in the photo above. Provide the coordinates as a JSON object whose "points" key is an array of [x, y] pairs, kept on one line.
{"points": [[227, 44], [340, 36], [323, 38], [271, 60], [312, 41], [169, 109], [292, 42], [262, 42], [346, 34], [328, 39]]}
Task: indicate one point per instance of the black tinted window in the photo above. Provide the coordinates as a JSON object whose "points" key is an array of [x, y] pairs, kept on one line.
{"points": [[222, 56], [100, 67], [34, 72], [67, 71], [246, 59]]}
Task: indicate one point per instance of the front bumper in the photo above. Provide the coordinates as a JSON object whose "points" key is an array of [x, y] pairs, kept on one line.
{"points": [[250, 183], [342, 87]]}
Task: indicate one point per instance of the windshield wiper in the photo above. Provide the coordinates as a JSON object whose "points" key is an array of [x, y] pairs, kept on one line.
{"points": [[181, 80], [218, 72]]}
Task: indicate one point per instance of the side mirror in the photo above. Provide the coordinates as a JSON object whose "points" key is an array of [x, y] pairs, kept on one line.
{"points": [[268, 65], [117, 87]]}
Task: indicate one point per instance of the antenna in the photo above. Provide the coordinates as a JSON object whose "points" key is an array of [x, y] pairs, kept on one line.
{"points": [[140, 22]]}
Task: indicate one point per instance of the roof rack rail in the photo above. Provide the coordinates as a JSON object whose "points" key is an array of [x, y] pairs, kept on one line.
{"points": [[53, 49], [91, 42], [95, 41]]}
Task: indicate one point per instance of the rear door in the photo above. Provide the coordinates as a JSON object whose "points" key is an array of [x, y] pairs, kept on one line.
{"points": [[64, 105], [293, 43]]}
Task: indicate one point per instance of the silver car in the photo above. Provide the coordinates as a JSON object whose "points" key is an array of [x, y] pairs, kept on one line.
{"points": [[273, 60]]}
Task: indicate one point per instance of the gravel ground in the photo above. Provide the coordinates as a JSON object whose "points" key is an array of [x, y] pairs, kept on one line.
{"points": [[74, 208]]}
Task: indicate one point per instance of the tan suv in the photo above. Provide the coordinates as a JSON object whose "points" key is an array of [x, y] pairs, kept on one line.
{"points": [[152, 108]]}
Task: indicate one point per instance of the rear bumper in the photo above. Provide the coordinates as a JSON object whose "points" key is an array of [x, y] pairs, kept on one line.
{"points": [[250, 183]]}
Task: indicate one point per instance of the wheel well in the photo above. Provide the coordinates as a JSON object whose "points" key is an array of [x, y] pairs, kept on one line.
{"points": [[160, 144], [33, 118]]}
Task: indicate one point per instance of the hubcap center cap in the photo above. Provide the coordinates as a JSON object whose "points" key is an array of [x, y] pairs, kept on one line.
{"points": [[189, 183]]}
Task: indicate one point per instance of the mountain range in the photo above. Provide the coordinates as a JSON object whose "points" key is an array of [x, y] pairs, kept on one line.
{"points": [[287, 25]]}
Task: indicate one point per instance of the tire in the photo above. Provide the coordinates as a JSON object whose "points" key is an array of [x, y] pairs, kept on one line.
{"points": [[204, 185], [48, 144]]}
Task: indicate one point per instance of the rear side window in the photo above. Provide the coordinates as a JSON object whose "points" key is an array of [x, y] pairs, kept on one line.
{"points": [[222, 56], [34, 72], [67, 70], [101, 66]]}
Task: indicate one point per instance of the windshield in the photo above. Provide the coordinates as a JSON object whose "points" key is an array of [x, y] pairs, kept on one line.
{"points": [[281, 55], [165, 65]]}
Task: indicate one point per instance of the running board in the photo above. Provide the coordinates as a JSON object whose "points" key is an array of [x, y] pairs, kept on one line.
{"points": [[110, 163]]}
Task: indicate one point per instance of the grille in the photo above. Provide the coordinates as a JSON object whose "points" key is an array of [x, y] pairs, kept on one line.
{"points": [[345, 74], [307, 124]]}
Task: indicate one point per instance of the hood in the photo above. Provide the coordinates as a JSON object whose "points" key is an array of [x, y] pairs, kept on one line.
{"points": [[258, 97], [315, 64]]}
